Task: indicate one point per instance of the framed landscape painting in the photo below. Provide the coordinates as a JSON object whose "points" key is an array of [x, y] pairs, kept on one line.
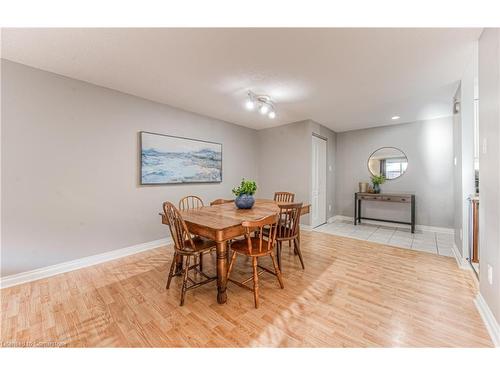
{"points": [[174, 160]]}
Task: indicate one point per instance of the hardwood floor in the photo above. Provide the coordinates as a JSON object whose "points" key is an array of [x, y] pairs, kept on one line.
{"points": [[352, 294]]}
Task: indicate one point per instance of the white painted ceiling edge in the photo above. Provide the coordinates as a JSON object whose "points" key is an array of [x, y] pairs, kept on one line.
{"points": [[344, 79]]}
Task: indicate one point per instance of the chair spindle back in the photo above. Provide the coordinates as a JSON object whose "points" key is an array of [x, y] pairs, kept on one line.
{"points": [[288, 221], [284, 196], [250, 226], [178, 228], [190, 202]]}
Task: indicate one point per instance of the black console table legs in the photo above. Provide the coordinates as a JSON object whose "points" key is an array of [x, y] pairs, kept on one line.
{"points": [[392, 197]]}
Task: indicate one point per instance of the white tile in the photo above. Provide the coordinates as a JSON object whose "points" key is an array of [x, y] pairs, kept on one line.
{"points": [[402, 236], [406, 230], [444, 245], [360, 235], [446, 251], [424, 245], [389, 231], [431, 242], [381, 235], [401, 242], [384, 240], [445, 237]]}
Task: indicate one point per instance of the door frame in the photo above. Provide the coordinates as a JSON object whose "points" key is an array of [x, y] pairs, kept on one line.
{"points": [[323, 138]]}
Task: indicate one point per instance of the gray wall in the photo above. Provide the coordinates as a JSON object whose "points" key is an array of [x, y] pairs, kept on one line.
{"points": [[489, 171], [285, 161], [429, 148], [282, 152], [70, 167]]}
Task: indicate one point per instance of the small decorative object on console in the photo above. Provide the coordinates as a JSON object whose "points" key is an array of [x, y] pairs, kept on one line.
{"points": [[377, 180], [363, 187]]}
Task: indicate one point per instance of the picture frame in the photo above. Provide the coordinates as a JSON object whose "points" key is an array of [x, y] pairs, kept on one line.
{"points": [[167, 159]]}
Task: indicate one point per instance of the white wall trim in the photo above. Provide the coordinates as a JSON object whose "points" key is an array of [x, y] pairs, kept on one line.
{"points": [[462, 262], [489, 319], [41, 273], [424, 228]]}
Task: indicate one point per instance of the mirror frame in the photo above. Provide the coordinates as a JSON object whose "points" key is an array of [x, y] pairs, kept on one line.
{"points": [[380, 148]]}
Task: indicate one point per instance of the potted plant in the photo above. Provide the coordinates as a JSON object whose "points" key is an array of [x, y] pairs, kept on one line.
{"points": [[244, 194], [377, 180]]}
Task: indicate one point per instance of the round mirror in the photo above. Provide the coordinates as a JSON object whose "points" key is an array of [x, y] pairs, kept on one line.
{"points": [[389, 162]]}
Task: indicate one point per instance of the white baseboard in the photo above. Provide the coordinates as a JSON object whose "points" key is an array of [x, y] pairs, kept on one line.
{"points": [[425, 228], [305, 227], [489, 319], [462, 262], [41, 273]]}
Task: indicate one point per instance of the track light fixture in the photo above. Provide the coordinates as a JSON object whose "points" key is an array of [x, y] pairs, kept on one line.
{"points": [[262, 103]]}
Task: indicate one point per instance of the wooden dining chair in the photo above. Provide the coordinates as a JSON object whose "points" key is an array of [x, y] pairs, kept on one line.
{"points": [[256, 247], [220, 201], [186, 247], [284, 196], [288, 229], [190, 202]]}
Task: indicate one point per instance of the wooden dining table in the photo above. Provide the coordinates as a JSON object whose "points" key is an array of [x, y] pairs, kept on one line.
{"points": [[222, 223]]}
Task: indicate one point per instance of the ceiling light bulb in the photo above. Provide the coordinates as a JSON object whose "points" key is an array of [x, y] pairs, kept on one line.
{"points": [[272, 114], [250, 105], [395, 117], [264, 108]]}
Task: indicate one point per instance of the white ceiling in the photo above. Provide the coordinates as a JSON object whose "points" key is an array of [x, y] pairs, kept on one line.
{"points": [[342, 78]]}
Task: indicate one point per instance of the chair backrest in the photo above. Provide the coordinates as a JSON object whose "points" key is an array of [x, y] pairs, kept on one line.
{"points": [[178, 228], [189, 202], [250, 226], [288, 221], [284, 196], [221, 201]]}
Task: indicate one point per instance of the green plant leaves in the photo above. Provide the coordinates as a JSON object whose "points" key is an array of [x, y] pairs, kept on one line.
{"points": [[246, 187]]}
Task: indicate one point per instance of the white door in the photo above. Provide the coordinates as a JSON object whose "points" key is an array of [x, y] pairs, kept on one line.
{"points": [[318, 193]]}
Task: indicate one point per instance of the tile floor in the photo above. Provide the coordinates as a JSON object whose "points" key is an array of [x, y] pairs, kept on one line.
{"points": [[431, 242]]}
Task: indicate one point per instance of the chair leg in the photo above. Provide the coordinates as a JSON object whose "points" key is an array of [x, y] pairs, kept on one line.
{"points": [[299, 253], [184, 280], [277, 270], [171, 272], [278, 253], [255, 282], [231, 263], [289, 243]]}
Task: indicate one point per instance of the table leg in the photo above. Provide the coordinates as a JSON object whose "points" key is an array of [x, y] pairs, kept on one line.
{"points": [[221, 272]]}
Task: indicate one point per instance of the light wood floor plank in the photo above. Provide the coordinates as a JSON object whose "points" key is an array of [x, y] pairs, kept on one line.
{"points": [[352, 293]]}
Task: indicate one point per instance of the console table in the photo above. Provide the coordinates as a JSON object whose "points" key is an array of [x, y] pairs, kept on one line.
{"points": [[384, 197]]}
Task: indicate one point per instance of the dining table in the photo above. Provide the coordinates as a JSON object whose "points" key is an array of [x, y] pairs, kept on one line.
{"points": [[222, 223]]}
